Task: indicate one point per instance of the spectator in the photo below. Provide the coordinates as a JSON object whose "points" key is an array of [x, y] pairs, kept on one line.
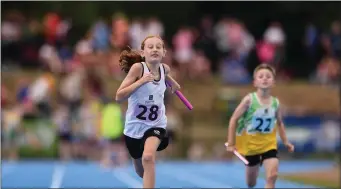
{"points": [[245, 46], [4, 95], [311, 41], [265, 52], [40, 93], [101, 36], [275, 36], [65, 54], [233, 72], [120, 32], [137, 33], [23, 98], [328, 71], [183, 48], [111, 132], [113, 66], [201, 66], [61, 119], [234, 34], [63, 29], [94, 83], [206, 41], [84, 50], [11, 116], [10, 28], [51, 24], [335, 39], [154, 27], [311, 47], [71, 88], [10, 36], [30, 44], [49, 57], [168, 59], [221, 34], [89, 115], [22, 91], [196, 152]]}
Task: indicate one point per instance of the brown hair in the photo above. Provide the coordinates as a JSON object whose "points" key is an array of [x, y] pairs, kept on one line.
{"points": [[265, 66], [129, 56]]}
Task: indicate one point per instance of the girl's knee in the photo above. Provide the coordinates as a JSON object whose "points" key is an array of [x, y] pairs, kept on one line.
{"points": [[148, 158]]}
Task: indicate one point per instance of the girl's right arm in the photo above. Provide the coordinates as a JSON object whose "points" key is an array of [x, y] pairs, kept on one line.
{"points": [[240, 110], [129, 84]]}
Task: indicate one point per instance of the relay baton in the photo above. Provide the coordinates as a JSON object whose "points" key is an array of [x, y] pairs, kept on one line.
{"points": [[239, 155], [182, 98]]}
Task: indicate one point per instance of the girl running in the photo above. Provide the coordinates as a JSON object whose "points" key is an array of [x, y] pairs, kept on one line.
{"points": [[256, 121], [144, 86]]}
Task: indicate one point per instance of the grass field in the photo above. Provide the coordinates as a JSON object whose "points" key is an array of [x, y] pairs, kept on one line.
{"points": [[326, 178]]}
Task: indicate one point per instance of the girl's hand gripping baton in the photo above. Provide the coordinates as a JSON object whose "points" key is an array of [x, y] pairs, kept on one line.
{"points": [[182, 97]]}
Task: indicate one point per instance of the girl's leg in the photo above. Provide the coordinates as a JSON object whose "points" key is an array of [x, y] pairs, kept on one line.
{"points": [[148, 161], [138, 167], [133, 147]]}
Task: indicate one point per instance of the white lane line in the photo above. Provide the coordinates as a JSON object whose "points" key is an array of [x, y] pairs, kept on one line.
{"points": [[124, 177], [57, 176]]}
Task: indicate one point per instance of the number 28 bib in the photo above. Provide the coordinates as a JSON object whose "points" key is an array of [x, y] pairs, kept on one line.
{"points": [[148, 113]]}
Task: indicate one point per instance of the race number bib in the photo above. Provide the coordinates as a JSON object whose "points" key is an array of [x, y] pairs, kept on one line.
{"points": [[263, 121], [147, 112]]}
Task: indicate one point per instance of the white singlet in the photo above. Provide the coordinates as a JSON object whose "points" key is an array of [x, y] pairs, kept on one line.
{"points": [[146, 108]]}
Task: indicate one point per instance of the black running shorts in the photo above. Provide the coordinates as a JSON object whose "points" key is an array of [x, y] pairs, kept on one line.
{"points": [[259, 158], [136, 146]]}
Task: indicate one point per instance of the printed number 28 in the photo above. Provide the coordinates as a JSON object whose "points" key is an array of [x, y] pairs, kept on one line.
{"points": [[152, 113]]}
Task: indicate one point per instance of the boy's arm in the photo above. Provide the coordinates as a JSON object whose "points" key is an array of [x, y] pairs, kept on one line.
{"points": [[281, 127], [282, 133], [240, 110]]}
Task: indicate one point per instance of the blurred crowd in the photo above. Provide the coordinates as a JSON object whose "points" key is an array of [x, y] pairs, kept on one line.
{"points": [[78, 101], [221, 48]]}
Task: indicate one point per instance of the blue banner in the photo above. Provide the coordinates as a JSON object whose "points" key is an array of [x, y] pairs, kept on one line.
{"points": [[312, 134]]}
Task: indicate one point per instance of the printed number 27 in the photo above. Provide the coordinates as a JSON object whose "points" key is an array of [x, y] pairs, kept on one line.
{"points": [[152, 112]]}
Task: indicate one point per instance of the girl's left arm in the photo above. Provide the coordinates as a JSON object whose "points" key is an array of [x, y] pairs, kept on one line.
{"points": [[174, 84]]}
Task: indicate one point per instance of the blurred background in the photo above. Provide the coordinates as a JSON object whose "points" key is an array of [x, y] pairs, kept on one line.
{"points": [[60, 71]]}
